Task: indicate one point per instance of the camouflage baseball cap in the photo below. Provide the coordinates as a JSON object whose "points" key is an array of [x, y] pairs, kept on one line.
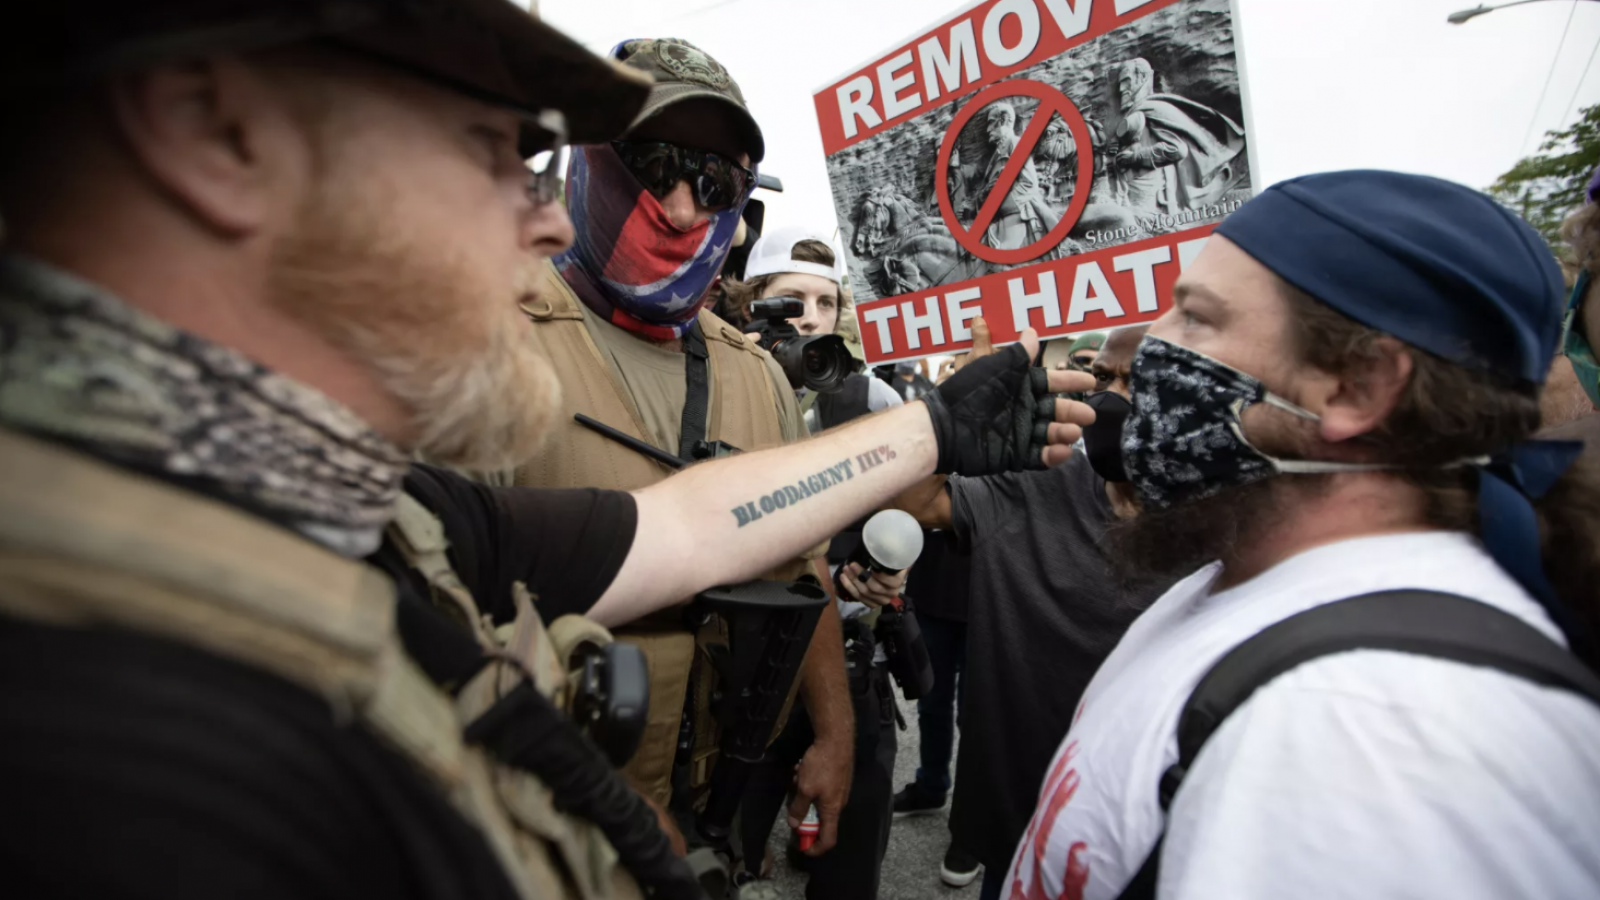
{"points": [[683, 71]]}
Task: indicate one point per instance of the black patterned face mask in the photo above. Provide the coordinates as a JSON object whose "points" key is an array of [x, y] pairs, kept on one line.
{"points": [[1184, 441]]}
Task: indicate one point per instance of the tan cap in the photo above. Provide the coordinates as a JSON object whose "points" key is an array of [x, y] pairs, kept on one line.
{"points": [[682, 71], [491, 49]]}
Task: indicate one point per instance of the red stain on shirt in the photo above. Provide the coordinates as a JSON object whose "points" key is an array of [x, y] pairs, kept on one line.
{"points": [[1059, 788], [1076, 877]]}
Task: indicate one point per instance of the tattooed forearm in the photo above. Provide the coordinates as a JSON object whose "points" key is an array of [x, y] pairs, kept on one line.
{"points": [[811, 485], [877, 456]]}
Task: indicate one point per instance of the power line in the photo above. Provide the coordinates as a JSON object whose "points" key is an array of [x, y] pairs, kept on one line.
{"points": [[1560, 45], [1581, 79]]}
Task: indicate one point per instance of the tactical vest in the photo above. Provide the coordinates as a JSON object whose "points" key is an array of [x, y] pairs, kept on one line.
{"points": [[85, 544], [742, 412]]}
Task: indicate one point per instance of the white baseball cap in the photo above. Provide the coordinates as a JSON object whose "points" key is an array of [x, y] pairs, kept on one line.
{"points": [[774, 251]]}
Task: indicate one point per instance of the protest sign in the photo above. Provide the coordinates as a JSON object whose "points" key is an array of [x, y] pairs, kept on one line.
{"points": [[1042, 163]]}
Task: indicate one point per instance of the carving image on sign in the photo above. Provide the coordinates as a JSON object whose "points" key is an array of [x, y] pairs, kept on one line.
{"points": [[1014, 196], [1043, 163]]}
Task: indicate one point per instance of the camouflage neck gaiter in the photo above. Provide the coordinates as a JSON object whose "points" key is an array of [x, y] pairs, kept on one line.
{"points": [[82, 368]]}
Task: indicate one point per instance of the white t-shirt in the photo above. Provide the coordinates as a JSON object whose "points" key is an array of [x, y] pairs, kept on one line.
{"points": [[1368, 774]]}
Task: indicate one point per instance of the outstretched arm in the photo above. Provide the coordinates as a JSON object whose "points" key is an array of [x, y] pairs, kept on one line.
{"points": [[729, 520], [927, 501]]}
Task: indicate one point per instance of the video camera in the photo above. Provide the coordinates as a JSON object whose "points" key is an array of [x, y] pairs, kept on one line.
{"points": [[819, 362]]}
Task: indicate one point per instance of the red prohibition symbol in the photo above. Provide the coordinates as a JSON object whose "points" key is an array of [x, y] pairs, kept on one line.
{"points": [[1050, 101]]}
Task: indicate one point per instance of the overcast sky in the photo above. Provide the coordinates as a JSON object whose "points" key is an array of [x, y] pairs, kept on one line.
{"points": [[1333, 83]]}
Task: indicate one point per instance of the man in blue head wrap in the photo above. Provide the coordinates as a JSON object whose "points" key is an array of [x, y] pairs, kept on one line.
{"points": [[1339, 404]]}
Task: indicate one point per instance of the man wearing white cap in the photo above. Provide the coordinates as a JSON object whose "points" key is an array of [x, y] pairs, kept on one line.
{"points": [[800, 262]]}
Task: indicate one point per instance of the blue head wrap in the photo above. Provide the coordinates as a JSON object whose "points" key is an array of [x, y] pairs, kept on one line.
{"points": [[1446, 269]]}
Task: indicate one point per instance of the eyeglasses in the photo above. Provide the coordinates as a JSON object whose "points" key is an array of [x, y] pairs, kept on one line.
{"points": [[1083, 362], [547, 137], [718, 182]]}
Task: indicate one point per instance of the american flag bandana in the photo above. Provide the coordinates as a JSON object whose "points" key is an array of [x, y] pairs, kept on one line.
{"points": [[628, 262]]}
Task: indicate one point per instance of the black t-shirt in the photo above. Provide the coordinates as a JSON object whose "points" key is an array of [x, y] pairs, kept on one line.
{"points": [[133, 766], [1044, 611], [565, 545], [941, 578]]}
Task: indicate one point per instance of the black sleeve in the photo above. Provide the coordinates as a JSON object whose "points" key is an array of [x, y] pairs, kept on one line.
{"points": [[132, 766], [565, 545], [976, 504]]}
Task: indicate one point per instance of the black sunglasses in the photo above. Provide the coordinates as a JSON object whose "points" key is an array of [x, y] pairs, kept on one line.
{"points": [[718, 182]]}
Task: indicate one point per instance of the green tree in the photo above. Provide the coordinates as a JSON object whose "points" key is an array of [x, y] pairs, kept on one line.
{"points": [[1546, 187]]}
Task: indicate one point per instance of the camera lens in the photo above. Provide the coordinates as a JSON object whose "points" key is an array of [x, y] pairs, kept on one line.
{"points": [[820, 362], [821, 367]]}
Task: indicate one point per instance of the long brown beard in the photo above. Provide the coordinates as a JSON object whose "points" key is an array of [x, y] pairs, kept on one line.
{"points": [[476, 393], [1173, 543]]}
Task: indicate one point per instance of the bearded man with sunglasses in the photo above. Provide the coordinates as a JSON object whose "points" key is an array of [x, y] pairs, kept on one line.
{"points": [[622, 317]]}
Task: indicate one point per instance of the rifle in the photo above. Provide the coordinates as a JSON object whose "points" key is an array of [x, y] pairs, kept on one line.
{"points": [[769, 630], [769, 624]]}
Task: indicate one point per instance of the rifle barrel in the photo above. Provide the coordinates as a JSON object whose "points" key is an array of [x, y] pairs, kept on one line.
{"points": [[632, 443]]}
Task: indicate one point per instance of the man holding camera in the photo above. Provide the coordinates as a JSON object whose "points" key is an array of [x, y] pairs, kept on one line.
{"points": [[621, 316], [798, 265]]}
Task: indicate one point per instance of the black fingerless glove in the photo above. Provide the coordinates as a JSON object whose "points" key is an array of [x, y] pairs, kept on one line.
{"points": [[992, 416]]}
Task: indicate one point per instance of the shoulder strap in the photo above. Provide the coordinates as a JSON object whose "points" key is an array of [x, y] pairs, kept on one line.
{"points": [[1425, 623], [697, 396], [419, 537], [747, 404]]}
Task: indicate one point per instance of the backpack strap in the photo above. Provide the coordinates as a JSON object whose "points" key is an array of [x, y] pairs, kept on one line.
{"points": [[697, 392], [1426, 623]]}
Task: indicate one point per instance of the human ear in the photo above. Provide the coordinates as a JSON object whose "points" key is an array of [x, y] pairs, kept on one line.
{"points": [[1363, 397], [197, 129]]}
